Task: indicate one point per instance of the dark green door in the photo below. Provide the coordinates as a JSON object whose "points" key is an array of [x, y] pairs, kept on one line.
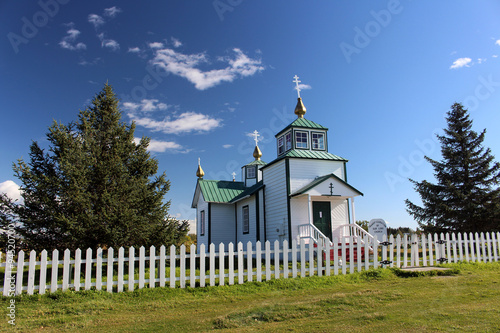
{"points": [[322, 217]]}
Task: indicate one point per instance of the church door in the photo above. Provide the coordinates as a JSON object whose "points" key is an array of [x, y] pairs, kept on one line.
{"points": [[322, 217]]}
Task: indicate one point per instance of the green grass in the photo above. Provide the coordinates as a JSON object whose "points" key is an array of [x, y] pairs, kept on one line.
{"points": [[463, 299]]}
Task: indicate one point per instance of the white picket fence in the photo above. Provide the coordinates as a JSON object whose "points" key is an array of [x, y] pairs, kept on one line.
{"points": [[231, 265]]}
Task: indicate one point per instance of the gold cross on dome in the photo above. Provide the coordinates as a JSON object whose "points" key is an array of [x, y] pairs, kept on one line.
{"points": [[297, 81]]}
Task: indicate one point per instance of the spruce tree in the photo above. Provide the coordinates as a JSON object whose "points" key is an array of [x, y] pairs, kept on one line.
{"points": [[466, 197], [95, 187]]}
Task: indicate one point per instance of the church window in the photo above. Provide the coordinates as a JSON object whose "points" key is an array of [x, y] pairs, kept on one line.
{"points": [[318, 141], [288, 141], [246, 220], [281, 147], [301, 140], [251, 172], [202, 223]]}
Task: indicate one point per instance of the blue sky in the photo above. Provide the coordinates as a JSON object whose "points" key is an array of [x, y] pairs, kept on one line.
{"points": [[198, 76]]}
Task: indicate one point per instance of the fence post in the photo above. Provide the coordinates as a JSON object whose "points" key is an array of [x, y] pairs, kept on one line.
{"points": [[31, 273], [240, 263], [466, 247], [131, 264], [429, 242], [192, 266], [294, 258], [351, 255], [310, 250], [319, 258], [152, 266], [109, 276], [161, 268], [121, 254], [212, 264], [336, 256], [230, 256], [285, 259], [359, 253], [478, 247], [249, 261], [494, 243], [472, 247], [488, 245], [142, 266], [182, 267], [460, 247], [66, 269], [367, 252], [344, 257], [78, 266], [424, 250], [268, 261], [375, 252], [302, 258], [43, 272], [55, 270], [483, 247], [202, 265], [258, 261], [328, 254], [172, 256], [405, 251], [88, 269]]}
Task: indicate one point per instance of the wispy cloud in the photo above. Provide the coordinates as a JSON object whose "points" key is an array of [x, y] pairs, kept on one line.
{"points": [[11, 189], [227, 146], [461, 62], [156, 45], [158, 146], [146, 105], [95, 20], [134, 50], [68, 41], [108, 43], [186, 66], [186, 122], [176, 42], [304, 86], [497, 42], [112, 12]]}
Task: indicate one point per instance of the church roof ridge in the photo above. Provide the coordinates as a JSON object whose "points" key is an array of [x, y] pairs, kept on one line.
{"points": [[307, 154]]}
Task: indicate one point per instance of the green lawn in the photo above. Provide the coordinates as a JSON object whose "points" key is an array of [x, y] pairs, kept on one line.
{"points": [[372, 301]]}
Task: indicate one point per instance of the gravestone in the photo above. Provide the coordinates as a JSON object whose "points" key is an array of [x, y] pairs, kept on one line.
{"points": [[377, 228]]}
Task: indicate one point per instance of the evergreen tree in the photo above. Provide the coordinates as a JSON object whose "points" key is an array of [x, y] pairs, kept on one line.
{"points": [[466, 197], [95, 187]]}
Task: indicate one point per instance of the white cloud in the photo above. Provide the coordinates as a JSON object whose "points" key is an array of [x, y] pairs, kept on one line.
{"points": [[186, 122], [304, 86], [481, 60], [111, 12], [96, 20], [176, 42], [185, 65], [461, 62], [109, 43], [156, 45], [146, 105], [227, 146], [68, 41], [495, 56], [11, 189], [134, 50], [497, 42], [161, 146]]}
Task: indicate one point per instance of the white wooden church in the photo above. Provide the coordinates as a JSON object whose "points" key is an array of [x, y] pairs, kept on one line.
{"points": [[302, 193]]}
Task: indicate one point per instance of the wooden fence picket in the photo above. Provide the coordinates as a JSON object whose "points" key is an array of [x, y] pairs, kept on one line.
{"points": [[285, 259], [121, 255], [88, 269], [152, 267], [43, 273], [98, 270], [109, 275], [268, 260], [78, 266], [258, 259], [182, 266], [31, 273], [249, 262], [202, 265], [66, 269], [241, 259], [131, 264]]}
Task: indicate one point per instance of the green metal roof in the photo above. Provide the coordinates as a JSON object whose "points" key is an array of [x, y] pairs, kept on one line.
{"points": [[303, 123], [308, 154], [257, 162], [318, 181], [249, 191], [223, 191]]}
